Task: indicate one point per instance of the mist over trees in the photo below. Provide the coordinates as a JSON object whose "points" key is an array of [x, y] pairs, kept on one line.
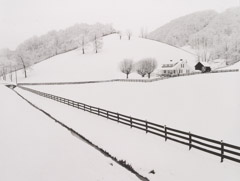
{"points": [[39, 48], [211, 35]]}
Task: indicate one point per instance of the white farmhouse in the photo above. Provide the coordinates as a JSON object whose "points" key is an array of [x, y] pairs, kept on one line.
{"points": [[175, 68]]}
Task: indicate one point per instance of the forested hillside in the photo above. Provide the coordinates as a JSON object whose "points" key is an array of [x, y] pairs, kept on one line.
{"points": [[211, 35], [39, 48]]}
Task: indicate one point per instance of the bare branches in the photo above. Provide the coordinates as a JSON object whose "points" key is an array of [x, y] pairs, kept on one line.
{"points": [[129, 34], [146, 66], [97, 43], [126, 66]]}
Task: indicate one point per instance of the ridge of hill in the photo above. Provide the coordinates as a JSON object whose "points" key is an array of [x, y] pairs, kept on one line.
{"points": [[212, 35]]}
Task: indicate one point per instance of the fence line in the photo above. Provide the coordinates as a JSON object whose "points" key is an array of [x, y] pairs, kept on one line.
{"points": [[128, 80], [214, 147]]}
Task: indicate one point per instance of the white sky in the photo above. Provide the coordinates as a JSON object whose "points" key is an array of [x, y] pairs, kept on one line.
{"points": [[22, 19]]}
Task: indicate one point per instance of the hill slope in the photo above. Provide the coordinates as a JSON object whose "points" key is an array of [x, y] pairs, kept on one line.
{"points": [[212, 35], [73, 66], [178, 31]]}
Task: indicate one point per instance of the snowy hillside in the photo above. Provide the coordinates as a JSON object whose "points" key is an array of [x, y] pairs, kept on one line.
{"points": [[212, 35], [34, 147], [178, 31], [206, 105], [73, 66]]}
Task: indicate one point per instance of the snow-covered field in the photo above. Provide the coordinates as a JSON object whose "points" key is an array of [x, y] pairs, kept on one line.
{"points": [[206, 105], [34, 148], [170, 161], [73, 66]]}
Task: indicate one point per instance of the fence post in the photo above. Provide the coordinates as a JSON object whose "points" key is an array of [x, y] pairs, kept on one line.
{"points": [[146, 126], [84, 107], [131, 121], [90, 108], [107, 114], [165, 130], [118, 117], [190, 141], [222, 151], [98, 111]]}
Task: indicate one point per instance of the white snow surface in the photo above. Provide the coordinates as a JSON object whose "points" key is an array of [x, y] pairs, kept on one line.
{"points": [[73, 66], [205, 104], [145, 152], [34, 148]]}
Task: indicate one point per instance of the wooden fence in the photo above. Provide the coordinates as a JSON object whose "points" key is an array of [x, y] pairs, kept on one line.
{"points": [[218, 148], [127, 80]]}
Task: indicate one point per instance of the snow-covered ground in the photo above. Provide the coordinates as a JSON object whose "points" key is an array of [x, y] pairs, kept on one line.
{"points": [[206, 105], [170, 161], [73, 66], [34, 148]]}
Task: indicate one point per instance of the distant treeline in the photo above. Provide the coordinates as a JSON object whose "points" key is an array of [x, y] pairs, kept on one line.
{"points": [[212, 35]]}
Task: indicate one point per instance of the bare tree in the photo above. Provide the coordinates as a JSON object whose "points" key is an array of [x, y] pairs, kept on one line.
{"points": [[97, 43], [143, 32], [120, 35], [129, 34], [83, 43], [126, 66], [141, 68], [24, 58], [150, 64], [23, 63]]}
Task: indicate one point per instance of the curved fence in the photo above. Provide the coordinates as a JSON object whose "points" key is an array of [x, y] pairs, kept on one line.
{"points": [[214, 147], [127, 80]]}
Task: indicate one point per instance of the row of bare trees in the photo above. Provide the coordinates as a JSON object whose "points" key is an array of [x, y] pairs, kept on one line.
{"points": [[143, 67]]}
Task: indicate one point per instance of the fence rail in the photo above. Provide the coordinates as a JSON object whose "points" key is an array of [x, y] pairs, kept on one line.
{"points": [[214, 147], [127, 80]]}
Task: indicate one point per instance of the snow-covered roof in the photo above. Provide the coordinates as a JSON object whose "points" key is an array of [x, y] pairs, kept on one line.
{"points": [[172, 65], [205, 64]]}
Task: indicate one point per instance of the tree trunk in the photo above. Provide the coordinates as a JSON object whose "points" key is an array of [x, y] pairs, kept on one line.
{"points": [[149, 75], [83, 52], [24, 67], [25, 72], [127, 76], [16, 75]]}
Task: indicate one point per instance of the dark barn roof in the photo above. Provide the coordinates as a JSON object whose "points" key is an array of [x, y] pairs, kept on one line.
{"points": [[203, 66]]}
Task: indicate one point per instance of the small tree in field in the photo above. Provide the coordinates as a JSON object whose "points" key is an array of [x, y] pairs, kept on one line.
{"points": [[126, 66], [97, 43], [141, 68], [150, 64], [129, 34]]}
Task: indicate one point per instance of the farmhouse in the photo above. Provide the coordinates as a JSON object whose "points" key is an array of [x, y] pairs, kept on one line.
{"points": [[175, 68], [203, 66]]}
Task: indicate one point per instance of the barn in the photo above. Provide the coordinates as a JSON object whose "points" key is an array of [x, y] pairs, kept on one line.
{"points": [[203, 66]]}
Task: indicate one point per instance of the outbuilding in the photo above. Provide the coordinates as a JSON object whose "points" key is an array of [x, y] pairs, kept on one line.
{"points": [[203, 66]]}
